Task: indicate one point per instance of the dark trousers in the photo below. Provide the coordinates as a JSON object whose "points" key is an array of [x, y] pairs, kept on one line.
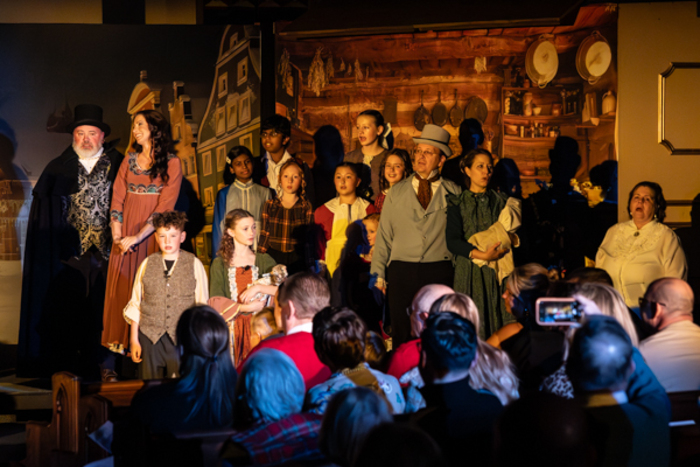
{"points": [[405, 280], [159, 360]]}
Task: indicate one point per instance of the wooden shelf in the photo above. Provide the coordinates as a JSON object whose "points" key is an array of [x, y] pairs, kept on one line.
{"points": [[540, 118], [548, 88], [527, 141]]}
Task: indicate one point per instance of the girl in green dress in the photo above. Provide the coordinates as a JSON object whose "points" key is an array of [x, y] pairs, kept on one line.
{"points": [[475, 210]]}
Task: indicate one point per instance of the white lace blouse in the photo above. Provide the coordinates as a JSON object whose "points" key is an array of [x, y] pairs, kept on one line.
{"points": [[636, 257]]}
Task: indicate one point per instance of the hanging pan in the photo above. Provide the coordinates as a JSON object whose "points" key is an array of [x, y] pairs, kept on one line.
{"points": [[422, 116], [439, 112], [456, 113], [477, 109], [542, 61], [593, 57]]}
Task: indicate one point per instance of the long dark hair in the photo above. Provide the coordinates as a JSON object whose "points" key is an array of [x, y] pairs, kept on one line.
{"points": [[659, 199], [208, 375], [408, 166], [161, 143], [227, 245]]}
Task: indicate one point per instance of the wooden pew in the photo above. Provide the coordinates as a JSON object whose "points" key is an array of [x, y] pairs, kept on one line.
{"points": [[78, 410], [685, 440]]}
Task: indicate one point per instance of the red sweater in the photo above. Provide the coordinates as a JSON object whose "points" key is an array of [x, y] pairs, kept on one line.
{"points": [[300, 348], [406, 357]]}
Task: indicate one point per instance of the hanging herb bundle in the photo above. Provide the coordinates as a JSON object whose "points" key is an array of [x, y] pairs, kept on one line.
{"points": [[317, 74], [358, 71], [330, 71], [342, 65], [285, 71]]}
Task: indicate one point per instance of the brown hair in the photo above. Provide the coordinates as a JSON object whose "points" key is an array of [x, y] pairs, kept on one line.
{"points": [[339, 338], [227, 246], [408, 166], [302, 188], [659, 200], [372, 217], [468, 161], [308, 292], [174, 219], [375, 351]]}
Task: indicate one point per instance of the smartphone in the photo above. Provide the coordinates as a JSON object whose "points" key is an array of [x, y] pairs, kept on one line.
{"points": [[552, 311]]}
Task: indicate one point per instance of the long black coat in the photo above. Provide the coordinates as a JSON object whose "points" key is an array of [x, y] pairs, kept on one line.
{"points": [[57, 303]]}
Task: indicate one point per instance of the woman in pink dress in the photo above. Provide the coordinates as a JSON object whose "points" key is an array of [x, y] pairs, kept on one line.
{"points": [[148, 182]]}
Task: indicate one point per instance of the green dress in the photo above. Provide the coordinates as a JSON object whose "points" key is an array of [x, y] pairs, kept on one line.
{"points": [[219, 285], [468, 214]]}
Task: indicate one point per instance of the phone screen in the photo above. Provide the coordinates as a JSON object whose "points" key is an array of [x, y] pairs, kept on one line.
{"points": [[557, 311]]}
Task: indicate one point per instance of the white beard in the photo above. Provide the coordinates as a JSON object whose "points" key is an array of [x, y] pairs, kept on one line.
{"points": [[85, 153]]}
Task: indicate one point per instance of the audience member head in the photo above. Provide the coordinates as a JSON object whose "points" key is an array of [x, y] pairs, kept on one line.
{"points": [[506, 178], [524, 286], [545, 429], [667, 301], [610, 303], [398, 444], [471, 134], [239, 165], [644, 210], [328, 147], [420, 307], [300, 297], [459, 303], [375, 351], [269, 388], [586, 275], [564, 161], [604, 175], [600, 357], [206, 368], [239, 228], [339, 338], [448, 345], [152, 129], [351, 414], [396, 165]]}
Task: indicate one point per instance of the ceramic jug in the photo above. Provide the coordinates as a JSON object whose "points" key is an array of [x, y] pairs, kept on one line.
{"points": [[609, 102]]}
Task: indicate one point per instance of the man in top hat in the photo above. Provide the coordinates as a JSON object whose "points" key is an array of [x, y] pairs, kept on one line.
{"points": [[67, 250], [410, 250]]}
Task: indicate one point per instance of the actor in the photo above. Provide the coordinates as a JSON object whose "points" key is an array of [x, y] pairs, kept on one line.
{"points": [[67, 248]]}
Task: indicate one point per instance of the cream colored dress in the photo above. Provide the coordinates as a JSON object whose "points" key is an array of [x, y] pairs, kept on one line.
{"points": [[636, 257]]}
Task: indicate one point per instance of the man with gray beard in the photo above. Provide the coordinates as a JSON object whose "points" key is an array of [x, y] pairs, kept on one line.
{"points": [[67, 250]]}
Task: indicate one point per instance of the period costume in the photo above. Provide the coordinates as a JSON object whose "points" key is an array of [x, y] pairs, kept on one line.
{"points": [[410, 250], [249, 196], [634, 258], [136, 198], [287, 234], [229, 282], [67, 247], [369, 173], [475, 213]]}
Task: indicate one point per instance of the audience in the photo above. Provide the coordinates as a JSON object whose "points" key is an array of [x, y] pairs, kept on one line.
{"points": [[272, 428], [339, 340], [673, 353], [297, 301], [627, 430], [350, 416], [459, 418]]}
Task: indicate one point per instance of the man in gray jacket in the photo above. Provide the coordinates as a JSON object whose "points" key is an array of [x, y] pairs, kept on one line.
{"points": [[410, 249]]}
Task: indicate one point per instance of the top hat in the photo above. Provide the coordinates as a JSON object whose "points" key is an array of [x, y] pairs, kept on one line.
{"points": [[88, 114], [435, 136]]}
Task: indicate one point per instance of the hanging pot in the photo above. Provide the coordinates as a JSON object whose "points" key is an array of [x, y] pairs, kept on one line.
{"points": [[542, 61], [421, 117], [456, 113], [439, 112], [477, 109], [593, 57]]}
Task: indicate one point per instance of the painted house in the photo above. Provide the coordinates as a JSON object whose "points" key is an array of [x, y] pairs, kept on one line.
{"points": [[232, 118]]}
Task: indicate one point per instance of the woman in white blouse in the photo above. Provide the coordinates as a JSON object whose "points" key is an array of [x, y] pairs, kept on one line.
{"points": [[643, 249]]}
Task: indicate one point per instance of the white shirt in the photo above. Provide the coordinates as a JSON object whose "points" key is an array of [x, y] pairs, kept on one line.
{"points": [[306, 327], [673, 354], [433, 186], [90, 162], [273, 168]]}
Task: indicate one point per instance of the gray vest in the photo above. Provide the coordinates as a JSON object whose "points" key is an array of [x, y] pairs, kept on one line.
{"points": [[166, 298]]}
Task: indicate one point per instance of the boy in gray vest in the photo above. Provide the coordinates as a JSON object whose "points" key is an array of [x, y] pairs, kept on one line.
{"points": [[166, 284]]}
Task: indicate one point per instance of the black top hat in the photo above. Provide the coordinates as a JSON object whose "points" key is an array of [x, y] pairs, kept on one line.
{"points": [[89, 114]]}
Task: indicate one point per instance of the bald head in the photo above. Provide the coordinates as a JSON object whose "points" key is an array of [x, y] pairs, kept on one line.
{"points": [[420, 307], [675, 294]]}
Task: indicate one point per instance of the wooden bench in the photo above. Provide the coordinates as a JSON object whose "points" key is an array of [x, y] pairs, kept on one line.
{"points": [[78, 410]]}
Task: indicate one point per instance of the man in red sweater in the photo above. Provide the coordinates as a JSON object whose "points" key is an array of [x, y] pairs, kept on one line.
{"points": [[297, 301]]}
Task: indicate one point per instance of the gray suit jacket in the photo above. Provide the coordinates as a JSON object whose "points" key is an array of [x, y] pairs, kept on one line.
{"points": [[407, 232]]}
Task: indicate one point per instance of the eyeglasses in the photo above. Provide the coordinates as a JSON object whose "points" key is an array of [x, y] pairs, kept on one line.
{"points": [[272, 134], [643, 303], [419, 152]]}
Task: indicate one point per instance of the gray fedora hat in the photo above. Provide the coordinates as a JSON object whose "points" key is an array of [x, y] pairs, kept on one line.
{"points": [[88, 114], [435, 136]]}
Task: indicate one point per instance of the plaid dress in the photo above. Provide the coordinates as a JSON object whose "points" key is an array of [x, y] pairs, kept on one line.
{"points": [[289, 232]]}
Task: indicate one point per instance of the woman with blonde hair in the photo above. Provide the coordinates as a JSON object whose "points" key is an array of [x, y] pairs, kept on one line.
{"points": [[493, 369], [610, 303]]}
